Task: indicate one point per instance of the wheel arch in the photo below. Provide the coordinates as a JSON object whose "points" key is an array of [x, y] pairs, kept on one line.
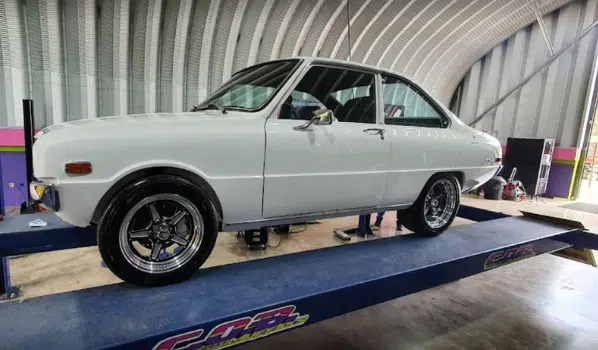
{"points": [[139, 174], [459, 175]]}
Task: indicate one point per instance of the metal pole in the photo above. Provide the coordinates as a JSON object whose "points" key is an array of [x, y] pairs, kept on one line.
{"points": [[592, 166], [543, 28], [529, 77], [349, 26], [587, 124], [29, 130]]}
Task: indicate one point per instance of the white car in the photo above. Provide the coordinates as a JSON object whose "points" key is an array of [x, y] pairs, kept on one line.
{"points": [[283, 141]]}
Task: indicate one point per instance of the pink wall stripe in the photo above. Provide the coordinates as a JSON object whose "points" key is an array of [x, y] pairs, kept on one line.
{"points": [[560, 153], [12, 137], [564, 153]]}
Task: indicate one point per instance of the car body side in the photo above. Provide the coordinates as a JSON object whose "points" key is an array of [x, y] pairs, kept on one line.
{"points": [[260, 169]]}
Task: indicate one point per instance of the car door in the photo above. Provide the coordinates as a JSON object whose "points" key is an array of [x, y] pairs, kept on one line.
{"points": [[325, 168], [421, 143]]}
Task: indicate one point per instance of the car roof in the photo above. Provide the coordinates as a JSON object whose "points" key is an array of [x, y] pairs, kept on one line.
{"points": [[336, 62]]}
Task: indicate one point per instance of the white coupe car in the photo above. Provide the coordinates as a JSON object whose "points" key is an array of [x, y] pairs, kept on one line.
{"points": [[283, 141]]}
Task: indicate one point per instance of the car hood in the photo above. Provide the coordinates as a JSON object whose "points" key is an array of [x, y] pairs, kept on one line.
{"points": [[144, 123]]}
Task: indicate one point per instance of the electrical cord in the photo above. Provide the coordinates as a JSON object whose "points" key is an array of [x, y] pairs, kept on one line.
{"points": [[277, 232], [306, 226], [279, 240]]}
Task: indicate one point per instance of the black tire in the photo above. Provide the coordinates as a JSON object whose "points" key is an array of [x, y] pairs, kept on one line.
{"points": [[109, 226], [414, 219]]}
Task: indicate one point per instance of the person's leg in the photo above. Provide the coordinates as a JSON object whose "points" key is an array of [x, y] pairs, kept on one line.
{"points": [[379, 218], [399, 225], [378, 222], [363, 227]]}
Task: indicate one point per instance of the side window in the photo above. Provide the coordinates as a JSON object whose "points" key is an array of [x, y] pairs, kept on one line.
{"points": [[405, 105], [349, 94]]}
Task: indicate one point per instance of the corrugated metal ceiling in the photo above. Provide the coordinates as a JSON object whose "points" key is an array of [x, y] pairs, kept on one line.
{"points": [[81, 59]]}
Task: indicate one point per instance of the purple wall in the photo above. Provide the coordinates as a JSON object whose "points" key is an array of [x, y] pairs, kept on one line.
{"points": [[12, 166], [559, 180]]}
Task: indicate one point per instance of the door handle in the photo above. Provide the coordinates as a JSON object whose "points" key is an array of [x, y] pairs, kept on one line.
{"points": [[375, 131]]}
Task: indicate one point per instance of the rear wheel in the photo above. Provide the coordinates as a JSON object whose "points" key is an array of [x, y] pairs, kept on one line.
{"points": [[157, 231], [436, 207]]}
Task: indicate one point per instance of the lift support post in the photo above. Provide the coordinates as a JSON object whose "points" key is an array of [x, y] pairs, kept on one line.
{"points": [[229, 305]]}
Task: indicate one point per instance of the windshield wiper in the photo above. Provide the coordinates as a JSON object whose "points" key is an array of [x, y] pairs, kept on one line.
{"points": [[209, 105]]}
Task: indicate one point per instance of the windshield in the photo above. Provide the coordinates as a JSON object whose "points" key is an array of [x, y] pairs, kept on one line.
{"points": [[252, 88]]}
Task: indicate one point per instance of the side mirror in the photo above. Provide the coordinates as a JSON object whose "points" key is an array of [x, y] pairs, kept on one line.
{"points": [[321, 117]]}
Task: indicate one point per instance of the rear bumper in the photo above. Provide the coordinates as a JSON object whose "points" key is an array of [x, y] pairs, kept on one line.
{"points": [[45, 195]]}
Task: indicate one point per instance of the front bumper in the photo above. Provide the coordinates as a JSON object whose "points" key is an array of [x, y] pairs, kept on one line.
{"points": [[45, 195]]}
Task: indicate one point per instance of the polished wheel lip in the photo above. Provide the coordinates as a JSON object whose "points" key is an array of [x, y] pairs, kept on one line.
{"points": [[178, 259], [439, 207]]}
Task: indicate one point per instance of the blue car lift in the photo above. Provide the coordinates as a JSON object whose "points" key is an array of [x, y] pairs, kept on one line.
{"points": [[230, 305]]}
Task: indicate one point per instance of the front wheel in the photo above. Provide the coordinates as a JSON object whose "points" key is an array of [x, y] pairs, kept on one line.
{"points": [[157, 231], [436, 207]]}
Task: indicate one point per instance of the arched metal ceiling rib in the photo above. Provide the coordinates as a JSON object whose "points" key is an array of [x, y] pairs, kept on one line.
{"points": [[151, 61], [482, 42], [258, 32], [174, 43], [446, 24], [282, 31], [329, 24], [397, 41], [396, 32], [506, 22], [450, 38], [366, 30], [389, 25], [231, 45], [224, 25], [422, 28], [247, 30], [306, 27], [206, 48], [276, 21], [354, 16]]}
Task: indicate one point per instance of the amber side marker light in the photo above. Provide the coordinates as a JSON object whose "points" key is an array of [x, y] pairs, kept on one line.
{"points": [[78, 168]]}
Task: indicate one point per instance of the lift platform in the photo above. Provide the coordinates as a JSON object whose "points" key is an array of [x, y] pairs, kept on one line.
{"points": [[230, 305]]}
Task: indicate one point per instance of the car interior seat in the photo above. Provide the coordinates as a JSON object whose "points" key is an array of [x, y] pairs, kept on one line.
{"points": [[360, 109], [287, 110]]}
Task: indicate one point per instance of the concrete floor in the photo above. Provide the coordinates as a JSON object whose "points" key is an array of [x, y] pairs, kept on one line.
{"points": [[544, 303], [588, 192]]}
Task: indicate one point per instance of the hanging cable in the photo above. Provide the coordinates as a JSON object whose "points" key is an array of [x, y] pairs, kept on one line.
{"points": [[349, 27]]}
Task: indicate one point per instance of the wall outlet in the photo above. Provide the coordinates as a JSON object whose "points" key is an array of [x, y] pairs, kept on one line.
{"points": [[11, 184]]}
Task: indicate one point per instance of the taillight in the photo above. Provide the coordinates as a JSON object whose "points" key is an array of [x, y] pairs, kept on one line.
{"points": [[78, 168]]}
